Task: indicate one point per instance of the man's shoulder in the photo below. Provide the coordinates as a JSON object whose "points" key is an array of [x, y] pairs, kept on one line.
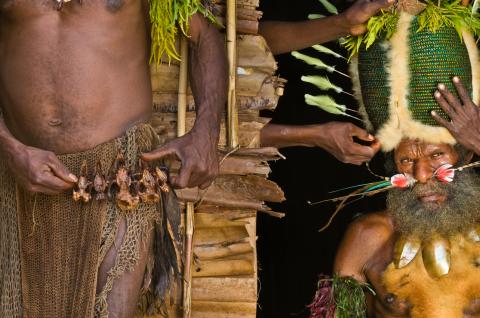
{"points": [[370, 231], [376, 223], [364, 238]]}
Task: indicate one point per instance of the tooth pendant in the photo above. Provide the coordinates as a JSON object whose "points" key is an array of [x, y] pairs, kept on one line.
{"points": [[436, 256], [405, 251], [474, 235]]}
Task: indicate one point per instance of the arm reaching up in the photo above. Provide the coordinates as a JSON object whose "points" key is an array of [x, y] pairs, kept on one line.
{"points": [[284, 37]]}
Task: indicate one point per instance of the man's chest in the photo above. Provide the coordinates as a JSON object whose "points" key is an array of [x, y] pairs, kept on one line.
{"points": [[43, 6]]}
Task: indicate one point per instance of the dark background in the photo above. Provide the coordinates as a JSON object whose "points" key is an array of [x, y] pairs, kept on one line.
{"points": [[291, 251]]}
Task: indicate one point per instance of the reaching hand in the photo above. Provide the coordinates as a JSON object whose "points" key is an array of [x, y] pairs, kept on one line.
{"points": [[360, 12], [337, 139], [198, 154], [464, 124], [40, 171]]}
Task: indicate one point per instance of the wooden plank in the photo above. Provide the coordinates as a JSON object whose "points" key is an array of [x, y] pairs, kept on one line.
{"points": [[224, 289]]}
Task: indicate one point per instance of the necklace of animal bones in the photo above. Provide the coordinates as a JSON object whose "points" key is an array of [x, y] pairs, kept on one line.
{"points": [[434, 251], [127, 188]]}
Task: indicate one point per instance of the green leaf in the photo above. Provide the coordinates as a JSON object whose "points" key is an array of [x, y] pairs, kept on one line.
{"points": [[313, 61], [326, 50], [315, 16], [322, 83], [330, 7]]}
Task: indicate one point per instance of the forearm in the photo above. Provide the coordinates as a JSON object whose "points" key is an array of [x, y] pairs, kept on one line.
{"points": [[8, 143], [208, 75], [283, 37], [281, 136]]}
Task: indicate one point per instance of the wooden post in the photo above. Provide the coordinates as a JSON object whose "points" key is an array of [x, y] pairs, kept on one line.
{"points": [[232, 113], [189, 222]]}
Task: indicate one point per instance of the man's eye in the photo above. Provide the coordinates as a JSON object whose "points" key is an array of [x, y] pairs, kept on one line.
{"points": [[437, 155], [405, 161]]}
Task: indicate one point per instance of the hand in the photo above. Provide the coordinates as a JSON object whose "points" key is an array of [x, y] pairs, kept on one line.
{"points": [[464, 124], [198, 154], [337, 139], [40, 171], [356, 17]]}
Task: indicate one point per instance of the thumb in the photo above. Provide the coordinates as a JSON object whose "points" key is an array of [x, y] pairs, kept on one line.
{"points": [[361, 134], [374, 7], [62, 172]]}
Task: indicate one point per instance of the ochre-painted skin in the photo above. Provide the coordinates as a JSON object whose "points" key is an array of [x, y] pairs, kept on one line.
{"points": [[74, 78], [367, 248]]}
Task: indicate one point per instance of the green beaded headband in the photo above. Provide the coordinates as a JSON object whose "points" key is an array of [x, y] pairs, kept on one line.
{"points": [[395, 78], [398, 63]]}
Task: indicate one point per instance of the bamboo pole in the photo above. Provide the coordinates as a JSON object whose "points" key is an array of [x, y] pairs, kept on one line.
{"points": [[187, 282], [182, 88], [189, 222], [232, 113]]}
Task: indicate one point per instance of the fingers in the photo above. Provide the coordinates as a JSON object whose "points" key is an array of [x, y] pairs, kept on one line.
{"points": [[440, 120], [375, 6], [444, 105], [159, 153], [59, 170], [453, 102], [462, 91], [360, 133], [183, 179]]}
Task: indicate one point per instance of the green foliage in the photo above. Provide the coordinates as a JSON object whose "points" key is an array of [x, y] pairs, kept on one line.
{"points": [[349, 297], [436, 15], [166, 16], [330, 7]]}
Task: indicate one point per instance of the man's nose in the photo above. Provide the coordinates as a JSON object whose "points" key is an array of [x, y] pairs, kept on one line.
{"points": [[423, 171]]}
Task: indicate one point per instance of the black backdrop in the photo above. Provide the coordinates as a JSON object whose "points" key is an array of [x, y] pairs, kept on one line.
{"points": [[291, 251]]}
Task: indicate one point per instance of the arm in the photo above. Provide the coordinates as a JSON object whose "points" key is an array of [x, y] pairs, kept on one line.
{"points": [[464, 124], [364, 238], [36, 170], [283, 37], [334, 137], [208, 78]]}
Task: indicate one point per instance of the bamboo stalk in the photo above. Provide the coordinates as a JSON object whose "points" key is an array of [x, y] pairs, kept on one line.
{"points": [[187, 282], [189, 222], [182, 89], [232, 113]]}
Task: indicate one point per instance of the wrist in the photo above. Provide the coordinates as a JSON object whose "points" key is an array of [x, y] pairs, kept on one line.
{"points": [[10, 145], [208, 130], [342, 24]]}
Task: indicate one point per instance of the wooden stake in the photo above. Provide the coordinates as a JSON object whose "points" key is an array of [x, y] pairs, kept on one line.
{"points": [[189, 222], [232, 113]]}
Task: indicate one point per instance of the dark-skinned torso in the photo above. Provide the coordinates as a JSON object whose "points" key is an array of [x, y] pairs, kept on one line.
{"points": [[74, 78]]}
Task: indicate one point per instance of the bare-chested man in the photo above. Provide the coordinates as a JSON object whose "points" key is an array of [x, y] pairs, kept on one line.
{"points": [[73, 79], [421, 255]]}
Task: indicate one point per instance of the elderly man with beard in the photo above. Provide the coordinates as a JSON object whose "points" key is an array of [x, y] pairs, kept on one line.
{"points": [[421, 255]]}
